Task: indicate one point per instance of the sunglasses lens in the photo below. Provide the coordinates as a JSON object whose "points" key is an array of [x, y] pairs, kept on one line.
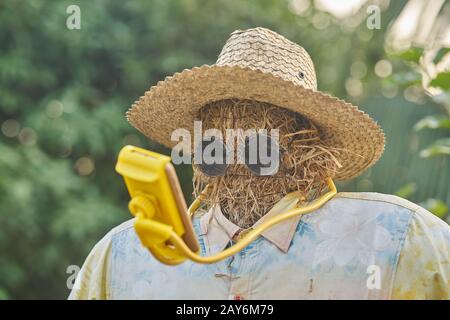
{"points": [[262, 155], [213, 170], [214, 154]]}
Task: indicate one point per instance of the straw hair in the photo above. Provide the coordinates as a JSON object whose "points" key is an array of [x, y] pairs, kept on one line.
{"points": [[305, 164], [260, 65]]}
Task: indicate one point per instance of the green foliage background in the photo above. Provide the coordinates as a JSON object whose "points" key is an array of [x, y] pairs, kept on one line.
{"points": [[69, 90]]}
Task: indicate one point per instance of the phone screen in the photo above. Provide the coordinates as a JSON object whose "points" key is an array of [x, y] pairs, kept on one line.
{"points": [[189, 236]]}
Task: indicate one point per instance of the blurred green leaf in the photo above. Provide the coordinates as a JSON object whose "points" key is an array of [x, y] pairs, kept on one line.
{"points": [[433, 122], [407, 190], [411, 55], [3, 294], [441, 53], [438, 148], [441, 81], [435, 206]]}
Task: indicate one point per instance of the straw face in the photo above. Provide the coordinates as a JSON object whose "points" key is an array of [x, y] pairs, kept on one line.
{"points": [[260, 65], [305, 163]]}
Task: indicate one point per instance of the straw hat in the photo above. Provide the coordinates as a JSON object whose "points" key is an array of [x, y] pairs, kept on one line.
{"points": [[259, 64]]}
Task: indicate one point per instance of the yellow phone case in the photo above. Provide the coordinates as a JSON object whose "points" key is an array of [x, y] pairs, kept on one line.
{"points": [[152, 198]]}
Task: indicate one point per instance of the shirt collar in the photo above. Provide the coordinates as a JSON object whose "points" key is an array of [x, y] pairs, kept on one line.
{"points": [[218, 230]]}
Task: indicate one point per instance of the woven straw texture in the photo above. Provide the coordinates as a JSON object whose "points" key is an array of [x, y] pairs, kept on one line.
{"points": [[259, 64]]}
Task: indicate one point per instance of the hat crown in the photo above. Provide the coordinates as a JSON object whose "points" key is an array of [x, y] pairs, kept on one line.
{"points": [[267, 51]]}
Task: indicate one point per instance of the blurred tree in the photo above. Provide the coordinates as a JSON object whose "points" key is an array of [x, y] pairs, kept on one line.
{"points": [[418, 44]]}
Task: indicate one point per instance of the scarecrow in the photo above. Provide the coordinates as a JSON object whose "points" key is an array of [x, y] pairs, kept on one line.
{"points": [[355, 246]]}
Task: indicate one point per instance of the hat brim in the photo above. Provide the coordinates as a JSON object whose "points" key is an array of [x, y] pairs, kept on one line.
{"points": [[175, 103]]}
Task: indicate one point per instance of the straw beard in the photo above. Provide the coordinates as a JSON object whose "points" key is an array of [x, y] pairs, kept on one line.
{"points": [[304, 167]]}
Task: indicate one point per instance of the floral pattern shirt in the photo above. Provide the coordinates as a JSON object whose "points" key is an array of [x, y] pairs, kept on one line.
{"points": [[356, 246]]}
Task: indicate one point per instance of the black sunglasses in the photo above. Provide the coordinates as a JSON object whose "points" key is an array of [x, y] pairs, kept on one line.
{"points": [[260, 151]]}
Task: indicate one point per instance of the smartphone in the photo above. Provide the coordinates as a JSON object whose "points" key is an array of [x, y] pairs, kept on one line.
{"points": [[152, 174]]}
